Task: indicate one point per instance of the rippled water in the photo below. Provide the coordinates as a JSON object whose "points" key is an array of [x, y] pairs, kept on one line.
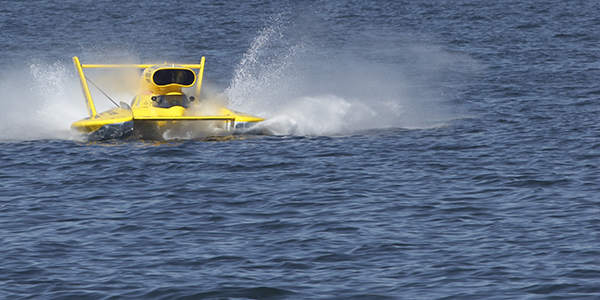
{"points": [[436, 150]]}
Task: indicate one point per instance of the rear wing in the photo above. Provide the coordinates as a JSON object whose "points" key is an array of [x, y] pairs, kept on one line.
{"points": [[86, 91]]}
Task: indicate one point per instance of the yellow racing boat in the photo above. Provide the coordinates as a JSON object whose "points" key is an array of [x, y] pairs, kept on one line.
{"points": [[159, 106]]}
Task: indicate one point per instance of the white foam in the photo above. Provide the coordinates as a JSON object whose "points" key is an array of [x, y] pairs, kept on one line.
{"points": [[38, 102], [295, 75], [312, 88], [41, 100]]}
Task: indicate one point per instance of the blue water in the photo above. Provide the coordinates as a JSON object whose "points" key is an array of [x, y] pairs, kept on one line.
{"points": [[418, 150]]}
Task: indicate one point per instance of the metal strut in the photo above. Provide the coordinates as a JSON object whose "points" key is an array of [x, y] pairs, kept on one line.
{"points": [[101, 91]]}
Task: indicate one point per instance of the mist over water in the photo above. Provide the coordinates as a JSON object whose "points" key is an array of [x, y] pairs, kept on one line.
{"points": [[42, 99], [39, 101], [306, 81], [302, 77]]}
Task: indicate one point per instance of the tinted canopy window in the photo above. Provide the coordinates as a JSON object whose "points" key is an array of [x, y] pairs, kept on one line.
{"points": [[169, 76], [166, 101]]}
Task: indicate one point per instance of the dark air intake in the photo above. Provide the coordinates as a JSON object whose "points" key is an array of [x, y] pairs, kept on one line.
{"points": [[177, 76]]}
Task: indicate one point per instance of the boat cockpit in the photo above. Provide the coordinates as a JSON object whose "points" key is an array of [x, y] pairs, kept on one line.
{"points": [[167, 101]]}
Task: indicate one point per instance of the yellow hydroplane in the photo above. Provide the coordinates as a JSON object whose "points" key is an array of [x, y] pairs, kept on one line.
{"points": [[159, 105]]}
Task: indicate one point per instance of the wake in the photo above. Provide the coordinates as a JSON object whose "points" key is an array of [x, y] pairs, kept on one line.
{"points": [[306, 82]]}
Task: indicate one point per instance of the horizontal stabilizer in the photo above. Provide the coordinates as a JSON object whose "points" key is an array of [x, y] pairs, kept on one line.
{"points": [[140, 66], [117, 115], [185, 118]]}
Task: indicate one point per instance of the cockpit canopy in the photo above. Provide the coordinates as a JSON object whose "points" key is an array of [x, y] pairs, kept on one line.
{"points": [[167, 101]]}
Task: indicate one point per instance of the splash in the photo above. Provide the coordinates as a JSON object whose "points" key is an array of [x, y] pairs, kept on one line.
{"points": [[38, 102], [41, 100], [302, 74], [308, 81]]}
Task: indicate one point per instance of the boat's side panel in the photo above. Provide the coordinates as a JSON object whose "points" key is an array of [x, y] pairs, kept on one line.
{"points": [[112, 131], [112, 124], [241, 117]]}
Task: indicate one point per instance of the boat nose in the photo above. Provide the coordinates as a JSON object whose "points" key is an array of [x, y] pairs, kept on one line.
{"points": [[176, 111]]}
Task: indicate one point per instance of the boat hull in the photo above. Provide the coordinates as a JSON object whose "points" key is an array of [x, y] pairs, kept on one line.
{"points": [[111, 131], [159, 124], [116, 123]]}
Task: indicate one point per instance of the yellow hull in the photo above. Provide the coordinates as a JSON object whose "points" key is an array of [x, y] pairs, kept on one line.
{"points": [[116, 123], [152, 123]]}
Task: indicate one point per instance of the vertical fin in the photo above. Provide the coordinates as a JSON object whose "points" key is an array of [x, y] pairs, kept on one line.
{"points": [[86, 91], [199, 79]]}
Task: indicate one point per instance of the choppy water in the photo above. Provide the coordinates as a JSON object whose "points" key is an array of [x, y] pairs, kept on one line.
{"points": [[436, 150]]}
